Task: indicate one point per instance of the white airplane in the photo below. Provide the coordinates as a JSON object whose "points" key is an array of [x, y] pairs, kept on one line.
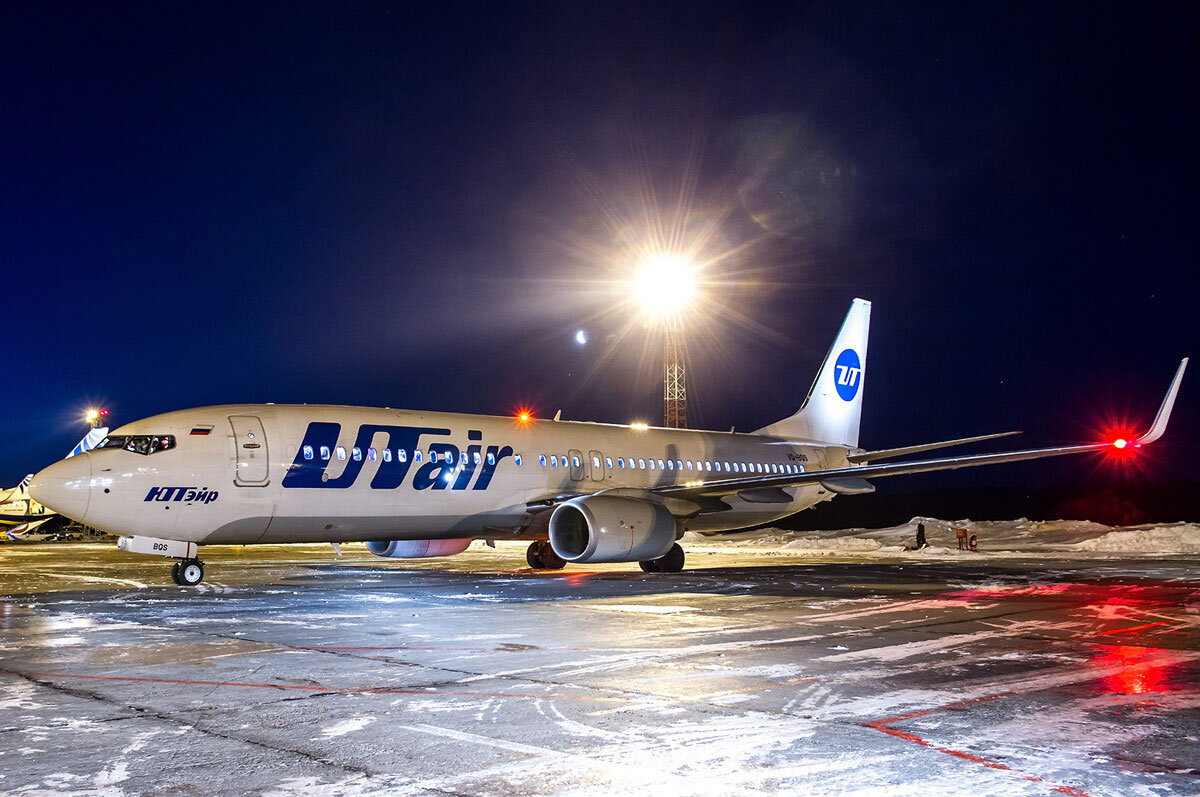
{"points": [[20, 512], [419, 484]]}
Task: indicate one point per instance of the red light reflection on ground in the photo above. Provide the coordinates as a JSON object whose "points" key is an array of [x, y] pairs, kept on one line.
{"points": [[1139, 672], [1023, 590]]}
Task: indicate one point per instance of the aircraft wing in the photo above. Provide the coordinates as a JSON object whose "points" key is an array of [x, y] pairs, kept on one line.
{"points": [[888, 453], [853, 479]]}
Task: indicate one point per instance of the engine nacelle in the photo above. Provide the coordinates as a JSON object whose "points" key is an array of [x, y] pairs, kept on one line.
{"points": [[610, 528], [417, 549]]}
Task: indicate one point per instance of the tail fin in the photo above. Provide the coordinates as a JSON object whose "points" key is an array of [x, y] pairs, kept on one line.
{"points": [[832, 410]]}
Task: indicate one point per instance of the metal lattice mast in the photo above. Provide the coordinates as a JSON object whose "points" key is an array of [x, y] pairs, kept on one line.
{"points": [[675, 382]]}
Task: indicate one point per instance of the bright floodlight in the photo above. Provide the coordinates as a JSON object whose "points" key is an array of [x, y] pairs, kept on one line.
{"points": [[665, 285], [91, 416]]}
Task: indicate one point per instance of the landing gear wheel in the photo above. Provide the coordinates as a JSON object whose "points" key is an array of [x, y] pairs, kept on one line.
{"points": [[670, 562], [541, 556], [175, 574], [191, 572]]}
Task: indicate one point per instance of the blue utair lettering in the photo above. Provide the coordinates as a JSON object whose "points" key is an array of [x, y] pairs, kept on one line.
{"points": [[191, 495], [447, 468], [494, 455]]}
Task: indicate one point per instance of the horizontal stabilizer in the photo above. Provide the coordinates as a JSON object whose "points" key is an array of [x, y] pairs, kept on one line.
{"points": [[888, 453]]}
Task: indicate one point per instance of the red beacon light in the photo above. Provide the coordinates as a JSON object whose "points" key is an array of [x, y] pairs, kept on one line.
{"points": [[1120, 442]]}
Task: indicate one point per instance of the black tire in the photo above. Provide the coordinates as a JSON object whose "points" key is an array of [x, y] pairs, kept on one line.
{"points": [[532, 554], [191, 572], [550, 560], [175, 574], [649, 566], [671, 561]]}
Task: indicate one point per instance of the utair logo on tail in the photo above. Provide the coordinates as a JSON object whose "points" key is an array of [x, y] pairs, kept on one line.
{"points": [[847, 371]]}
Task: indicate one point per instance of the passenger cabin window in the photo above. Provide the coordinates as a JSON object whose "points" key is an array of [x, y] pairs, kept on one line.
{"points": [[595, 462], [620, 463], [608, 462], [641, 464], [689, 464], [574, 460], [477, 458], [372, 454], [401, 455], [662, 465], [341, 452], [491, 458], [308, 452], [553, 461], [416, 455], [325, 452], [542, 460], [670, 464], [356, 454], [387, 455], [517, 459], [679, 464]]}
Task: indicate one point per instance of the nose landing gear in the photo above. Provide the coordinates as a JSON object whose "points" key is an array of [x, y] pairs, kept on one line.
{"points": [[187, 572]]}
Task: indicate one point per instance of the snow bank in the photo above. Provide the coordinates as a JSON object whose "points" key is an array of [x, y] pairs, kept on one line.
{"points": [[1178, 538], [1004, 536]]}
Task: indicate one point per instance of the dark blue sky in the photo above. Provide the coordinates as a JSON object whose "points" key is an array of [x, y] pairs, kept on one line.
{"points": [[387, 205]]}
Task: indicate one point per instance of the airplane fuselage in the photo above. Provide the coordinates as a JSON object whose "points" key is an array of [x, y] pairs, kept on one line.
{"points": [[304, 473]]}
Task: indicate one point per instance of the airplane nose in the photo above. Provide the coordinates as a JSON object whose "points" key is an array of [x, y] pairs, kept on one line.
{"points": [[65, 486]]}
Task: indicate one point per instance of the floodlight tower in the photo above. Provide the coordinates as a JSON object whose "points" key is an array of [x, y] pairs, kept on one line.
{"points": [[675, 382], [665, 286]]}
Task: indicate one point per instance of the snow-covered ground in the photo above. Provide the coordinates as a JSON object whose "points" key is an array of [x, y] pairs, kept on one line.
{"points": [[994, 537]]}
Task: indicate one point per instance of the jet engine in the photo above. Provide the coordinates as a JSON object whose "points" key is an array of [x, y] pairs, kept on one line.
{"points": [[417, 549], [610, 528]]}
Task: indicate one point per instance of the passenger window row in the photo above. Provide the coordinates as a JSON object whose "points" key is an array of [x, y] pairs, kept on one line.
{"points": [[644, 463], [400, 455]]}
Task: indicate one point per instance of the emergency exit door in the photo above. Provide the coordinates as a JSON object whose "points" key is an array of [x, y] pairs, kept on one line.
{"points": [[250, 442], [597, 465], [576, 465]]}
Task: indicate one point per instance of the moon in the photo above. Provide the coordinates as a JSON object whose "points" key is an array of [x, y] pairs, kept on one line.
{"points": [[581, 337]]}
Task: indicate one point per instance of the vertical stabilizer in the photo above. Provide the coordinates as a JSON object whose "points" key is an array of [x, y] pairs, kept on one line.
{"points": [[831, 413]]}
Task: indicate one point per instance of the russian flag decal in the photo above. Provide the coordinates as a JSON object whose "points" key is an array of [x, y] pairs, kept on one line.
{"points": [[201, 429]]}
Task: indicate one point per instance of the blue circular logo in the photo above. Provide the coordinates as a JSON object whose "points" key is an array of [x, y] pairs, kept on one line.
{"points": [[847, 374]]}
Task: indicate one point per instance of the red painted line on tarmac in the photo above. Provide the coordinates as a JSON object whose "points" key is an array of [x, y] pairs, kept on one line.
{"points": [[884, 726], [1134, 628], [310, 688]]}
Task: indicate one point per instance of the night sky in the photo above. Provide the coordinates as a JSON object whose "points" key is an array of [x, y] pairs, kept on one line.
{"points": [[381, 204]]}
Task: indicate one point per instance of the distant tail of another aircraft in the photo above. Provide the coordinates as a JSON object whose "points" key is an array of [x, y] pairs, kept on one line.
{"points": [[831, 412]]}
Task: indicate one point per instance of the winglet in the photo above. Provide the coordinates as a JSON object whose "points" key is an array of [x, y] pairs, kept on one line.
{"points": [[1164, 412]]}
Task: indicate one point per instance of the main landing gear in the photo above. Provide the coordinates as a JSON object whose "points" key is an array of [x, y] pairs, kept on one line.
{"points": [[188, 572], [541, 556], [670, 562]]}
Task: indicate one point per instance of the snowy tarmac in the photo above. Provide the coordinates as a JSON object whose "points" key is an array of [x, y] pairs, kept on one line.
{"points": [[847, 668]]}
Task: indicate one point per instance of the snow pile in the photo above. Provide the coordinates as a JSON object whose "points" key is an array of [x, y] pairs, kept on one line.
{"points": [[838, 544], [1177, 538], [1020, 536]]}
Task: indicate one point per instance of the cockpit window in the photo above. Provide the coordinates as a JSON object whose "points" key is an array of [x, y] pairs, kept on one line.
{"points": [[144, 444]]}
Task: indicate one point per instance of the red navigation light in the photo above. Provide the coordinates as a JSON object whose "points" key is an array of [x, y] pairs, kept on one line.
{"points": [[524, 415], [1120, 442]]}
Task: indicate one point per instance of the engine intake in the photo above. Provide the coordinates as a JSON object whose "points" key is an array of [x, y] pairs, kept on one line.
{"points": [[609, 528], [417, 549]]}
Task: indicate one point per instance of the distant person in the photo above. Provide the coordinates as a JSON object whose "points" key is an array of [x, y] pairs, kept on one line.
{"points": [[974, 542], [921, 542]]}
